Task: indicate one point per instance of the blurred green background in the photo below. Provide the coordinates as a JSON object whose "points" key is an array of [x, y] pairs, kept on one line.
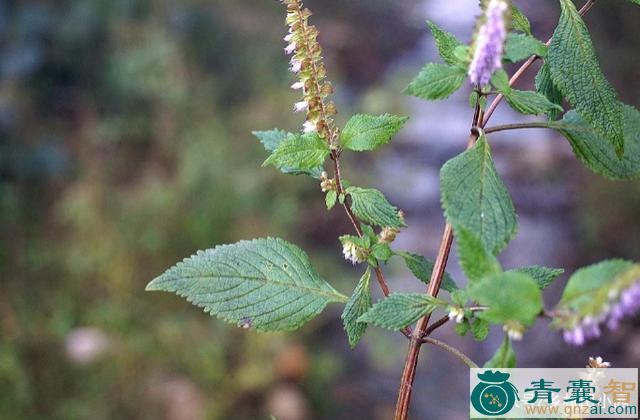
{"points": [[125, 146]]}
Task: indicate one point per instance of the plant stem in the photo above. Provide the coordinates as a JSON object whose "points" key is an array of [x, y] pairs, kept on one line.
{"points": [[335, 157], [408, 375], [460, 355], [504, 127]]}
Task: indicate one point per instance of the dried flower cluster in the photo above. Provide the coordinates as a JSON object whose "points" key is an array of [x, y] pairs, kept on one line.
{"points": [[489, 43], [622, 301], [306, 62]]}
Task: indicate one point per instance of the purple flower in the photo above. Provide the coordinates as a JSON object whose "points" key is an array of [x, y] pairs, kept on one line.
{"points": [[628, 304], [487, 57]]}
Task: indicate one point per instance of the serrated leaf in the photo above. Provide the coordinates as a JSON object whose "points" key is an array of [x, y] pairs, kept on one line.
{"points": [[521, 46], [575, 71], [422, 269], [381, 252], [436, 81], [358, 304], [401, 309], [599, 155], [370, 206], [368, 132], [474, 197], [267, 284], [479, 329], [500, 80], [519, 20], [475, 260], [272, 139], [305, 151], [504, 357], [584, 283], [528, 102], [446, 43], [463, 328], [545, 86], [542, 275], [510, 297], [331, 198]]}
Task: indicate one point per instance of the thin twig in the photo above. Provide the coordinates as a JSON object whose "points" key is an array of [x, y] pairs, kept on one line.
{"points": [[460, 355], [516, 126], [439, 323]]}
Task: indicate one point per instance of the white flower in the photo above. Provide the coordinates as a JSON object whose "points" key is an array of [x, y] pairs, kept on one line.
{"points": [[290, 48], [297, 85], [308, 127], [300, 106], [456, 313], [296, 65], [514, 330], [598, 362], [288, 38], [351, 253]]}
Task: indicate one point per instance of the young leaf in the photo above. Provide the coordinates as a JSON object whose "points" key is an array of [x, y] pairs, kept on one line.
{"points": [[545, 86], [520, 47], [575, 71], [479, 329], [331, 198], [542, 275], [267, 284], [509, 296], [463, 328], [422, 268], [529, 102], [476, 262], [446, 43], [368, 132], [302, 152], [519, 21], [401, 309], [474, 197], [436, 81], [271, 139], [358, 304], [372, 207], [500, 80], [599, 155], [381, 252], [504, 357]]}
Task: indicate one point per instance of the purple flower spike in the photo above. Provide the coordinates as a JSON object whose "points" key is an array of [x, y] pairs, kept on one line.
{"points": [[487, 57]]}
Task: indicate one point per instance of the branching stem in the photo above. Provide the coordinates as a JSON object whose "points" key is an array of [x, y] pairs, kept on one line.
{"points": [[460, 355]]}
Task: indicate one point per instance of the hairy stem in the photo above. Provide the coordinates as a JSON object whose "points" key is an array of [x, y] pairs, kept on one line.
{"points": [[460, 355], [408, 375], [516, 126]]}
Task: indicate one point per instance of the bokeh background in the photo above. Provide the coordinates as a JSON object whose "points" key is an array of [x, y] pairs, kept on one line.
{"points": [[125, 146]]}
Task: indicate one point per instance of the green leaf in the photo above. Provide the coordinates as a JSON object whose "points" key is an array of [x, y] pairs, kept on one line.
{"points": [[446, 43], [475, 260], [463, 328], [331, 198], [358, 304], [271, 139], [586, 282], [500, 80], [635, 1], [545, 86], [575, 71], [528, 102], [510, 297], [519, 20], [520, 47], [267, 284], [436, 81], [370, 206], [599, 155], [542, 275], [479, 329], [504, 357], [300, 152], [368, 132], [381, 252], [474, 197], [422, 269], [401, 309]]}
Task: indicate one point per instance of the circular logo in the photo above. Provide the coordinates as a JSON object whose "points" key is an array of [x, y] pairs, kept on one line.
{"points": [[493, 396]]}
